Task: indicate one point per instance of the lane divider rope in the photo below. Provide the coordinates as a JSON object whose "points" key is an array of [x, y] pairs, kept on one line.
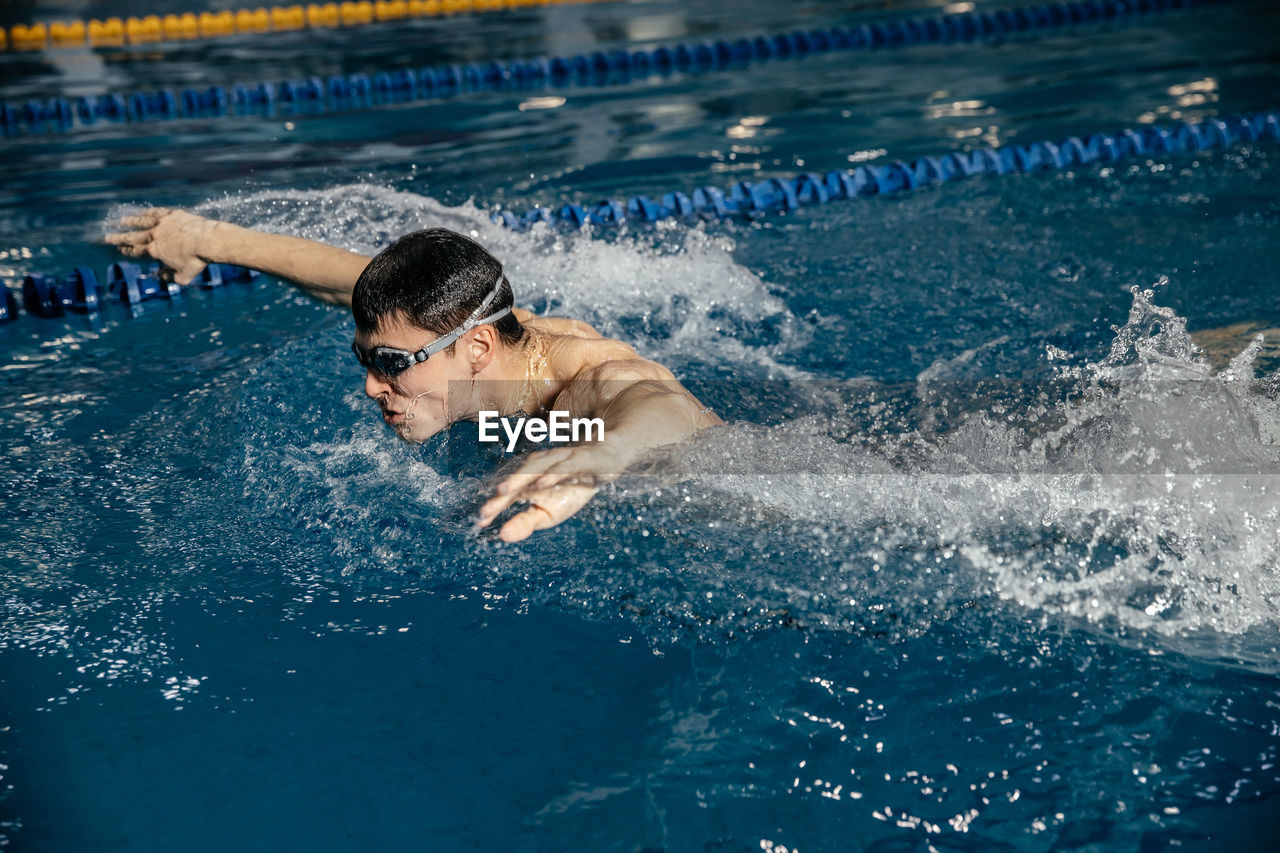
{"points": [[749, 199], [361, 91], [81, 291], [190, 26], [47, 295]]}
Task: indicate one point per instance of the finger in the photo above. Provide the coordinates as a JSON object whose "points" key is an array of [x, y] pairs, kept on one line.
{"points": [[495, 505], [146, 219], [586, 479], [517, 487], [547, 508], [546, 481], [531, 476], [521, 526], [129, 238]]}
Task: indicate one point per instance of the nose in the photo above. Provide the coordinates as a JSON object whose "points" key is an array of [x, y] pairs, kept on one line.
{"points": [[375, 384]]}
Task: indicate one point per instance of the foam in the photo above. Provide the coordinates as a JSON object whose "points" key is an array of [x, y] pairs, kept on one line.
{"points": [[1147, 498]]}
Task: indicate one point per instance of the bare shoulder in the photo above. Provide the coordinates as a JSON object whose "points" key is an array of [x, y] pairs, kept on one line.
{"points": [[605, 369], [629, 367], [556, 325], [600, 369], [601, 359]]}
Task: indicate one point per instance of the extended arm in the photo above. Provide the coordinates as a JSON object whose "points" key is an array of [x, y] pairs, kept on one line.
{"points": [[643, 408], [186, 243]]}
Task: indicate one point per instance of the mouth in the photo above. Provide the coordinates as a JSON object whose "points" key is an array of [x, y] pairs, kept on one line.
{"points": [[392, 417]]}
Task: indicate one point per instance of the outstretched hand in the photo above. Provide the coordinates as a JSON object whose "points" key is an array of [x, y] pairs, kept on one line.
{"points": [[175, 238], [554, 483]]}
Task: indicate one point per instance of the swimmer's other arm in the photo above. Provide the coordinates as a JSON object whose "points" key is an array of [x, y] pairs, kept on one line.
{"points": [[643, 407], [187, 243]]}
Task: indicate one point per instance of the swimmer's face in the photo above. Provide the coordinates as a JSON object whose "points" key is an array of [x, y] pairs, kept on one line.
{"points": [[416, 402]]}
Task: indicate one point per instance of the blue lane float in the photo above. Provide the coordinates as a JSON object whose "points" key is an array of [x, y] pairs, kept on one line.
{"points": [[8, 307], [616, 67], [747, 199], [82, 292]]}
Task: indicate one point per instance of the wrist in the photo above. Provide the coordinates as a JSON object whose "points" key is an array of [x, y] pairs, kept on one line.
{"points": [[214, 241], [619, 452]]}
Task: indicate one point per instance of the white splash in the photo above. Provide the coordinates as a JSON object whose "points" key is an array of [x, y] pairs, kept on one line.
{"points": [[1147, 498]]}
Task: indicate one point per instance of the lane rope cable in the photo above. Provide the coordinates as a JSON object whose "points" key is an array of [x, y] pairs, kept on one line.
{"points": [[747, 199]]}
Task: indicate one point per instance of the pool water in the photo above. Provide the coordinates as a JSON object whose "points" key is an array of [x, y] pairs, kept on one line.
{"points": [[986, 556]]}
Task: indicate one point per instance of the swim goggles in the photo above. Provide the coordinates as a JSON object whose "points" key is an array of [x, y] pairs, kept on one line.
{"points": [[392, 362]]}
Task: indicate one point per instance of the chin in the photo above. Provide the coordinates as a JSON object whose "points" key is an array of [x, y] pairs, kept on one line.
{"points": [[416, 434], [406, 435]]}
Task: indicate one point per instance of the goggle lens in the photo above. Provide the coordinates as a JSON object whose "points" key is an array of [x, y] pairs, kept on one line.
{"points": [[387, 361]]}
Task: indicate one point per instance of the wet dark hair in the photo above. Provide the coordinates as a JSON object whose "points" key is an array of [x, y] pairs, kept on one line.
{"points": [[433, 279]]}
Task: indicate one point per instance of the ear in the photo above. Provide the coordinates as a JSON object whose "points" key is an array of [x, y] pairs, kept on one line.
{"points": [[481, 346]]}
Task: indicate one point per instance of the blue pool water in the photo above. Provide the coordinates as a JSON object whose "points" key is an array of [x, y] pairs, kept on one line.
{"points": [[986, 558]]}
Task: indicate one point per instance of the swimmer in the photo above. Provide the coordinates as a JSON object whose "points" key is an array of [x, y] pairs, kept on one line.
{"points": [[434, 313]]}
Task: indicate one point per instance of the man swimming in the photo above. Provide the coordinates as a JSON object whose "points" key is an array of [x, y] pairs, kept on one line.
{"points": [[441, 341]]}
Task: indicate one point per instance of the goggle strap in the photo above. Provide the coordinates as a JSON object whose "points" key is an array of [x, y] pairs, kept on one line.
{"points": [[474, 319], [435, 346]]}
